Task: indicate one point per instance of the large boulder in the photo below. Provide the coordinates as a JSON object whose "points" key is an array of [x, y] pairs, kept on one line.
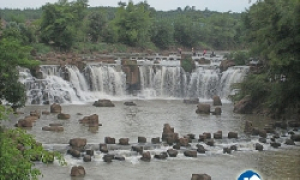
{"points": [[74, 153], [218, 135], [218, 111], [138, 149], [53, 128], [103, 103], [169, 135], [109, 140], [190, 153], [217, 101], [103, 148], [200, 177], [289, 142], [142, 139], [172, 152], [210, 142], [146, 156], [201, 149], [77, 171], [78, 143], [124, 141], [203, 108], [244, 106], [162, 155], [155, 140], [295, 137], [91, 121], [232, 135], [55, 108], [87, 158], [108, 158], [63, 116], [259, 147], [24, 123]]}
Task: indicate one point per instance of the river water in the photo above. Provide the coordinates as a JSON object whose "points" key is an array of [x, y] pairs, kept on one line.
{"points": [[147, 120]]}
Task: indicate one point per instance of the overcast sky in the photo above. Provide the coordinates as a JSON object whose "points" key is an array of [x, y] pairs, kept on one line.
{"points": [[214, 5]]}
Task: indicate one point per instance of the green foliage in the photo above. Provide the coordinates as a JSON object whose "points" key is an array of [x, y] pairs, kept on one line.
{"points": [[240, 57], [257, 86], [133, 24], [60, 21], [188, 65], [13, 54], [162, 34], [272, 32], [41, 48], [17, 150], [97, 22]]}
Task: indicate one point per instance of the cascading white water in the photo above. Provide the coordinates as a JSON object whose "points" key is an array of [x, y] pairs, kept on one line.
{"points": [[204, 83], [163, 80], [105, 79], [232, 76]]}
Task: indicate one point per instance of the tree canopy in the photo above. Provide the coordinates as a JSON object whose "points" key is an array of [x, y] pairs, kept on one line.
{"points": [[272, 30]]}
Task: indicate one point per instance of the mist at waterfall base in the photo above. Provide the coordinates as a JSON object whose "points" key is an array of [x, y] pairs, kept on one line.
{"points": [[159, 101]]}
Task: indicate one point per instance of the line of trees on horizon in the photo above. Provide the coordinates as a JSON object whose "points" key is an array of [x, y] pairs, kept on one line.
{"points": [[66, 25]]}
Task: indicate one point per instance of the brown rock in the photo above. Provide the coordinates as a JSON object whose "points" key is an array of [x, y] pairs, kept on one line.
{"points": [[203, 108], [63, 116], [124, 141], [244, 106], [103, 103], [200, 177], [109, 140], [232, 135], [146, 156], [55, 108], [78, 143], [218, 111], [77, 171], [91, 120], [53, 128], [217, 101]]}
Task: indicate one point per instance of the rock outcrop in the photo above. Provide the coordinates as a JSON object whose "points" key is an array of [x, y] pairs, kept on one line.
{"points": [[103, 103]]}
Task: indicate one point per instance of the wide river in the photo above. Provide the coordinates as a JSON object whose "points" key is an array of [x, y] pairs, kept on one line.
{"points": [[147, 120]]}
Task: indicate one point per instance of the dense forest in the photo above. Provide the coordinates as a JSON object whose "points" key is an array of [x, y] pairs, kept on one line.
{"points": [[74, 26], [268, 31]]}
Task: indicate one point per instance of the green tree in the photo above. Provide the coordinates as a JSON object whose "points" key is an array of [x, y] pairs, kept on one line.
{"points": [[273, 28], [60, 21], [96, 25], [162, 34], [133, 24], [17, 148], [13, 54]]}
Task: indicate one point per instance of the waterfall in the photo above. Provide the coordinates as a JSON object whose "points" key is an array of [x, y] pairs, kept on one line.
{"points": [[204, 83], [233, 75], [164, 80], [106, 80]]}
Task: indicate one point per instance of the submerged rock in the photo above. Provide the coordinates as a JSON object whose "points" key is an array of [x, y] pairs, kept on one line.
{"points": [[103, 103]]}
